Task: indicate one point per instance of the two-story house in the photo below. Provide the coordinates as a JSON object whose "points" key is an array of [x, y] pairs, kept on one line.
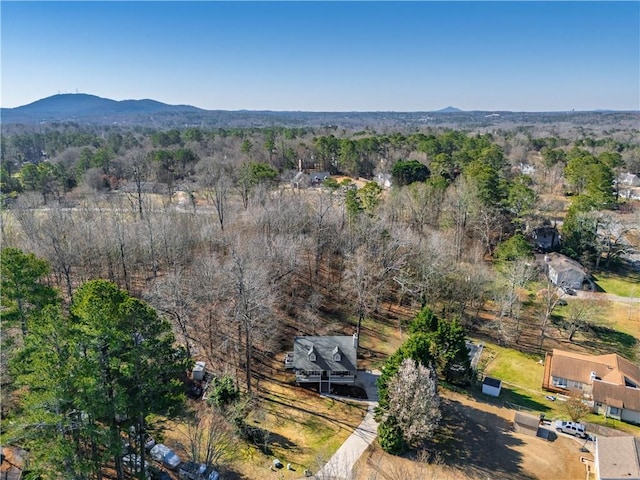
{"points": [[325, 360]]}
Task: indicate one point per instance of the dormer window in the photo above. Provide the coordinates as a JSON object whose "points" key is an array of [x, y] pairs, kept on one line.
{"points": [[312, 354], [336, 354]]}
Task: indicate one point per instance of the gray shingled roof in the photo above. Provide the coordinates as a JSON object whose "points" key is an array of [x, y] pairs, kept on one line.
{"points": [[618, 457], [324, 348]]}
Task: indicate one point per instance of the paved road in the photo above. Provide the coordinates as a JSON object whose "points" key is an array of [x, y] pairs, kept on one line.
{"points": [[340, 465], [606, 296]]}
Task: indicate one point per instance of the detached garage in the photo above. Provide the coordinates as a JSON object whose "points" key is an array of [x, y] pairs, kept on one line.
{"points": [[491, 386]]}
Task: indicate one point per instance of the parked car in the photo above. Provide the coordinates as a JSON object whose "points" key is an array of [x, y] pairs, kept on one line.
{"points": [[197, 471], [149, 442], [572, 428], [163, 454], [132, 462]]}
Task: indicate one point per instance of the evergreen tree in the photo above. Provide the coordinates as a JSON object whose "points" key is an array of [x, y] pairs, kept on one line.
{"points": [[91, 377]]}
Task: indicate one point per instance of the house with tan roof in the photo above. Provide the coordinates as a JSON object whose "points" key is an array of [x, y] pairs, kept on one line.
{"points": [[617, 458], [610, 383]]}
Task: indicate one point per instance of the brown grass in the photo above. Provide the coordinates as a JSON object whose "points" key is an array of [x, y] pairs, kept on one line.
{"points": [[477, 440]]}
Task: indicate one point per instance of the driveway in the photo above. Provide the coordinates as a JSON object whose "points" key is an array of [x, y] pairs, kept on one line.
{"points": [[340, 465]]}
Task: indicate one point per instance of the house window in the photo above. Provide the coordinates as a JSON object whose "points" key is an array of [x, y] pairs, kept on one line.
{"points": [[614, 411], [312, 357], [560, 382], [336, 354]]}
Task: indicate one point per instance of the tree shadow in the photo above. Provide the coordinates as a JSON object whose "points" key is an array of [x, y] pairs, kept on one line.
{"points": [[281, 443], [609, 339], [479, 443], [510, 397]]}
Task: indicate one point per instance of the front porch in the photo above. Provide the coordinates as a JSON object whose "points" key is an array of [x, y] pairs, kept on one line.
{"points": [[338, 377]]}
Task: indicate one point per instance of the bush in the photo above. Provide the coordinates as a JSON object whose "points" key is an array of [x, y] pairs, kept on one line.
{"points": [[390, 437], [223, 392]]}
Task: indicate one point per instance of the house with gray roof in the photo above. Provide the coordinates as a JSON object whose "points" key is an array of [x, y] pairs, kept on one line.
{"points": [[564, 271], [617, 458], [325, 360]]}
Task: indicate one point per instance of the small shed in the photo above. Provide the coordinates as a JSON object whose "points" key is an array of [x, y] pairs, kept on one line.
{"points": [[198, 371], [491, 386]]}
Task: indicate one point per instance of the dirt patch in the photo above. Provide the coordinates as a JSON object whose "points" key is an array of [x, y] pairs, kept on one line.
{"points": [[477, 440]]}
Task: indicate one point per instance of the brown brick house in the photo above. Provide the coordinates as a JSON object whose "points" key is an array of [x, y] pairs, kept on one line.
{"points": [[610, 383]]}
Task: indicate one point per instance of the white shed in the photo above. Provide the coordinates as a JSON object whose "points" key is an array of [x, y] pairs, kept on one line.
{"points": [[198, 371], [491, 386]]}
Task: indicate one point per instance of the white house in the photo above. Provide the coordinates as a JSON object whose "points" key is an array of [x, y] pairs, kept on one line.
{"points": [[385, 180], [563, 271], [629, 180]]}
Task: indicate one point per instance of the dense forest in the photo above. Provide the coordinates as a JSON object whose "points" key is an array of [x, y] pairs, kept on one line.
{"points": [[224, 243]]}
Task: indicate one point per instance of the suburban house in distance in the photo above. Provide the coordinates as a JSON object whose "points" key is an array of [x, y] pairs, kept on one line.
{"points": [[545, 238], [564, 272], [617, 457], [318, 177], [610, 382], [325, 360]]}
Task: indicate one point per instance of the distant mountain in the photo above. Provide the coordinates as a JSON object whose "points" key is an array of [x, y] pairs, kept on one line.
{"points": [[449, 109], [76, 106], [84, 109]]}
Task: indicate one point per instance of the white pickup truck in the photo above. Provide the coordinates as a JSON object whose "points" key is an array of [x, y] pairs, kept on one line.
{"points": [[572, 428]]}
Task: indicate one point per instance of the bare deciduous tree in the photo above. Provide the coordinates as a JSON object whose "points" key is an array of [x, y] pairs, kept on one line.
{"points": [[510, 281], [580, 315], [370, 269], [215, 178], [251, 302], [549, 298], [575, 406], [460, 200], [209, 439]]}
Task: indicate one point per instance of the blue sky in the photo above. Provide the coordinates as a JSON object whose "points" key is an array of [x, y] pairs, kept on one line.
{"points": [[327, 56]]}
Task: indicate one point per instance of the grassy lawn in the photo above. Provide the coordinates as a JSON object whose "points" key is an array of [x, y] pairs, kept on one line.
{"points": [[622, 285], [521, 376], [625, 317], [615, 327], [513, 366], [377, 341], [613, 423]]}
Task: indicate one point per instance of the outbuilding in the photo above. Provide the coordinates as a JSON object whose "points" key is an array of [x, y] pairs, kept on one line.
{"points": [[491, 386]]}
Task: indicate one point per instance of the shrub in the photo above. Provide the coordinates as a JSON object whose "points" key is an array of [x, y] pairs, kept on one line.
{"points": [[390, 437], [223, 392]]}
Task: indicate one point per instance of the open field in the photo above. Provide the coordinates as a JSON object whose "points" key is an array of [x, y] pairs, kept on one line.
{"points": [[627, 285]]}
